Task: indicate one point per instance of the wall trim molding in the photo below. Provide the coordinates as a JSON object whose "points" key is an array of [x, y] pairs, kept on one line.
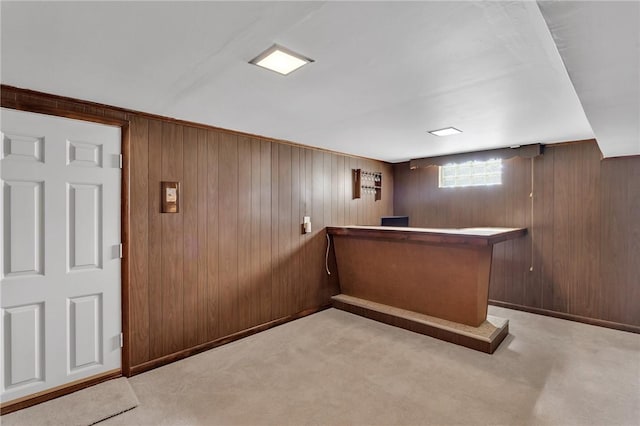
{"points": [[577, 318], [167, 359], [47, 103]]}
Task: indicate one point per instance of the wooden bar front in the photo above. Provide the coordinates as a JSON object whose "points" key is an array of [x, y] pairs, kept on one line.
{"points": [[442, 273]]}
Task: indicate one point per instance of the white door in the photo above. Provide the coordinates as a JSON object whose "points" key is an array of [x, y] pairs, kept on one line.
{"points": [[60, 288]]}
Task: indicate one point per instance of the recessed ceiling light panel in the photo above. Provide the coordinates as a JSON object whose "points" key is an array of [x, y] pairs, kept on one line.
{"points": [[447, 131], [280, 59]]}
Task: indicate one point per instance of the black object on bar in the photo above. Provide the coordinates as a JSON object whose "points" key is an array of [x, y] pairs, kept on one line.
{"points": [[394, 221]]}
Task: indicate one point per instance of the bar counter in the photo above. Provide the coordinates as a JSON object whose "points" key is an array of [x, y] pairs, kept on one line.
{"points": [[442, 273]]}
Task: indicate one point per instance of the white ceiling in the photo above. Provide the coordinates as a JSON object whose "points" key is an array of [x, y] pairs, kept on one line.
{"points": [[385, 72], [600, 45]]}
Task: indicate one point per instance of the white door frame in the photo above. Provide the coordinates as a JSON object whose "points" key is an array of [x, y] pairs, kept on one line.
{"points": [[125, 366]]}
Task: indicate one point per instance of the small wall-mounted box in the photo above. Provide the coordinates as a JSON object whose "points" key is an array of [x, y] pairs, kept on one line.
{"points": [[170, 197]]}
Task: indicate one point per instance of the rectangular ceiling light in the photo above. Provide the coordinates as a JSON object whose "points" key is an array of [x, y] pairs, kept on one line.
{"points": [[281, 60], [445, 132]]}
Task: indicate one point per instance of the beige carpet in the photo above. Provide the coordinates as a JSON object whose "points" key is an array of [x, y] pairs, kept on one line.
{"points": [[336, 368], [85, 407]]}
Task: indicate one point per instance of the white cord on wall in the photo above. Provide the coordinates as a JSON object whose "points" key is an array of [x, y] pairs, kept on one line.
{"points": [[326, 256], [532, 197]]}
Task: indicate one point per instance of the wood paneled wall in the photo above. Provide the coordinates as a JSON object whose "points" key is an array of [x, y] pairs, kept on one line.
{"points": [[234, 257], [584, 230]]}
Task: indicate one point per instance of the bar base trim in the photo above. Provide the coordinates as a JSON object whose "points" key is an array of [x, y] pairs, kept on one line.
{"points": [[485, 338]]}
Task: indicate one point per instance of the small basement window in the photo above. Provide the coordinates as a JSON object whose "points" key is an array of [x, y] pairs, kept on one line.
{"points": [[471, 173]]}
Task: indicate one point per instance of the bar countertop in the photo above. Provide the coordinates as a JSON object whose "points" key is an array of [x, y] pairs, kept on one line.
{"points": [[469, 236]]}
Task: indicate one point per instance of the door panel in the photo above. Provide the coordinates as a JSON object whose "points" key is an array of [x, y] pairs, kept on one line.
{"points": [[23, 236], [85, 331], [85, 226], [24, 148], [24, 333], [81, 154], [60, 288]]}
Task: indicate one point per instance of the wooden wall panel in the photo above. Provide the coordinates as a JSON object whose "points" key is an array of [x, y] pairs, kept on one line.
{"points": [[327, 200], [191, 236], [546, 229], [302, 199], [253, 294], [139, 243], [620, 232], [565, 237], [580, 256], [630, 311], [266, 252], [172, 245], [155, 241], [294, 231], [341, 189], [203, 240], [276, 261], [615, 265], [577, 230], [589, 210], [307, 243], [213, 235], [244, 233], [280, 289], [234, 257], [228, 242]]}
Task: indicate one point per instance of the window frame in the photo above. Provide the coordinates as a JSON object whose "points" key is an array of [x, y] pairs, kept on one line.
{"points": [[481, 170]]}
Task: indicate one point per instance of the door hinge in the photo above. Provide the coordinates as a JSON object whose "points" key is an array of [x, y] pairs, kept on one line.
{"points": [[121, 251], [121, 160], [121, 340]]}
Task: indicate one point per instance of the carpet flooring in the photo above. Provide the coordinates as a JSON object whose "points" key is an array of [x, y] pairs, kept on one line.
{"points": [[337, 368]]}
